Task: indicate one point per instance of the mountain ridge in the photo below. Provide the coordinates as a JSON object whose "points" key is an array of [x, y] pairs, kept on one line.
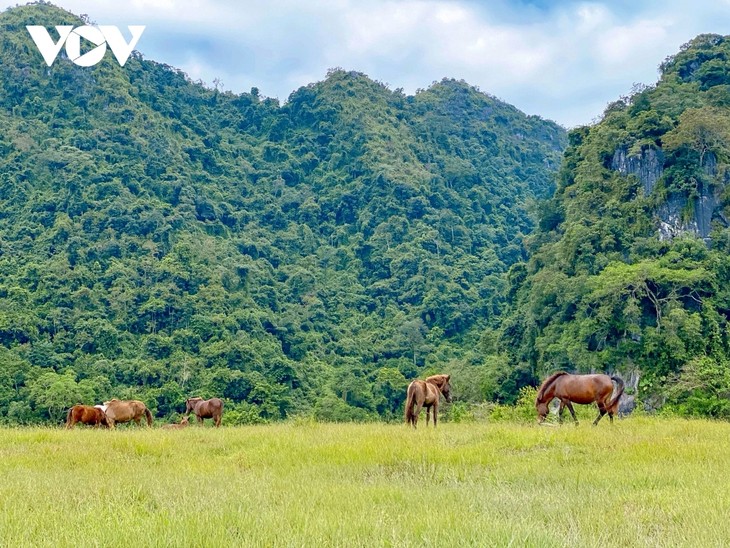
{"points": [[160, 238]]}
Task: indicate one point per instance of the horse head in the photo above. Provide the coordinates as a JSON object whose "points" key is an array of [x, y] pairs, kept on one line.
{"points": [[542, 410], [446, 388], [546, 393], [190, 404], [443, 384]]}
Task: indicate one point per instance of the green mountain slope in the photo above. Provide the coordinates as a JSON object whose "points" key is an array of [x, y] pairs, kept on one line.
{"points": [[159, 239], [629, 268]]}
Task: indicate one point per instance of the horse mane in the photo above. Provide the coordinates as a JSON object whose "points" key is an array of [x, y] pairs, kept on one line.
{"points": [[438, 380], [547, 382]]}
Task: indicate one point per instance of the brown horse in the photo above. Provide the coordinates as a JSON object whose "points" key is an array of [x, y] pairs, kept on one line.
{"points": [[581, 389], [426, 394], [182, 424], [205, 409], [86, 414], [125, 411]]}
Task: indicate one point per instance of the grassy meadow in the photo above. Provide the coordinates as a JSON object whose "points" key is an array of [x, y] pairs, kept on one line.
{"points": [[642, 482]]}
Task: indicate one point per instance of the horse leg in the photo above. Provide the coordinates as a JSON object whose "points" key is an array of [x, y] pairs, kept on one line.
{"points": [[428, 415], [414, 417], [416, 413], [217, 420], [435, 413], [200, 420], [560, 411], [572, 411], [601, 412]]}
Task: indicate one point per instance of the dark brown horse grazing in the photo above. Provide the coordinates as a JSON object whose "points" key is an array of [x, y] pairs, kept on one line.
{"points": [[125, 411], [581, 389], [85, 414], [426, 394], [205, 409]]}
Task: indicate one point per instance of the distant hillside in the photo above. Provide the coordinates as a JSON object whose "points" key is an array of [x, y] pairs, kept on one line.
{"points": [[629, 268], [160, 239]]}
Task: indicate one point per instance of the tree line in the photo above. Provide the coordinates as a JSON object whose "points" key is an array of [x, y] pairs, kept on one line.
{"points": [[161, 238]]}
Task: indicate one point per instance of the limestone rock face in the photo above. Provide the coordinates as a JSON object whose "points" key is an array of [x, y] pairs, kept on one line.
{"points": [[648, 167], [673, 215]]}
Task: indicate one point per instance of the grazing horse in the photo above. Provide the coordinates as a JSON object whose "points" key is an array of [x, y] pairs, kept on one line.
{"points": [[85, 414], [581, 389], [205, 409], [125, 411], [426, 394], [182, 424]]}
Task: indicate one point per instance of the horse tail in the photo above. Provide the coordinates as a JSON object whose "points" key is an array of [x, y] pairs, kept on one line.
{"points": [[149, 416], [409, 403], [68, 417], [618, 392]]}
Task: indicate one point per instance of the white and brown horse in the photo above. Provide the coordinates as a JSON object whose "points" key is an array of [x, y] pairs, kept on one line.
{"points": [[86, 414], [125, 411]]}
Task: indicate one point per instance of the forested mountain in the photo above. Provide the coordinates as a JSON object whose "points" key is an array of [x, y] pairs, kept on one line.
{"points": [[629, 268], [161, 239]]}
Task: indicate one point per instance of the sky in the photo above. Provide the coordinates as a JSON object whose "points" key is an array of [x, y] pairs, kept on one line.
{"points": [[564, 60]]}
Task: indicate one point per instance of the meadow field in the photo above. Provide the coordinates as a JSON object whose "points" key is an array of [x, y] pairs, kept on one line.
{"points": [[641, 482]]}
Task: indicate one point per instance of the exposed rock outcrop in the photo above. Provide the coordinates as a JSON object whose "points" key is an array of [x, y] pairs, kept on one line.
{"points": [[673, 215], [648, 166]]}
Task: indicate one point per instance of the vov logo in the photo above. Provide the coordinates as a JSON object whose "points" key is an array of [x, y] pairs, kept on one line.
{"points": [[101, 36]]}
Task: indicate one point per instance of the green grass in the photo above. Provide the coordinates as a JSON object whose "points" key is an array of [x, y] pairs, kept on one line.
{"points": [[642, 482]]}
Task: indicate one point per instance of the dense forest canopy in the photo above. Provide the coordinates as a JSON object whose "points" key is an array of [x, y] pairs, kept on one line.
{"points": [[161, 239], [629, 268]]}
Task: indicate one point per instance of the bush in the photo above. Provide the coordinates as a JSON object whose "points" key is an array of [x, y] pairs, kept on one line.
{"points": [[241, 414], [459, 412]]}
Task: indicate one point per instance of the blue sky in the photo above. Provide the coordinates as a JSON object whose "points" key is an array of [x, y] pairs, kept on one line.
{"points": [[563, 60]]}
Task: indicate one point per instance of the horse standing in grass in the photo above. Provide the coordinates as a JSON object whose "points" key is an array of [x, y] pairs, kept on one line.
{"points": [[205, 409], [426, 394], [86, 414], [125, 411], [583, 389]]}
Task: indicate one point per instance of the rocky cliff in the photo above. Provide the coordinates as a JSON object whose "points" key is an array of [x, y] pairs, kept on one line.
{"points": [[678, 213]]}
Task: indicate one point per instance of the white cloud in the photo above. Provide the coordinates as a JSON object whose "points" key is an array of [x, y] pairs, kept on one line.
{"points": [[565, 60], [618, 45], [591, 17], [155, 5]]}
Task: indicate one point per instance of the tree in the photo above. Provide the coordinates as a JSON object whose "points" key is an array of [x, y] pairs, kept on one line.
{"points": [[705, 129], [54, 394]]}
